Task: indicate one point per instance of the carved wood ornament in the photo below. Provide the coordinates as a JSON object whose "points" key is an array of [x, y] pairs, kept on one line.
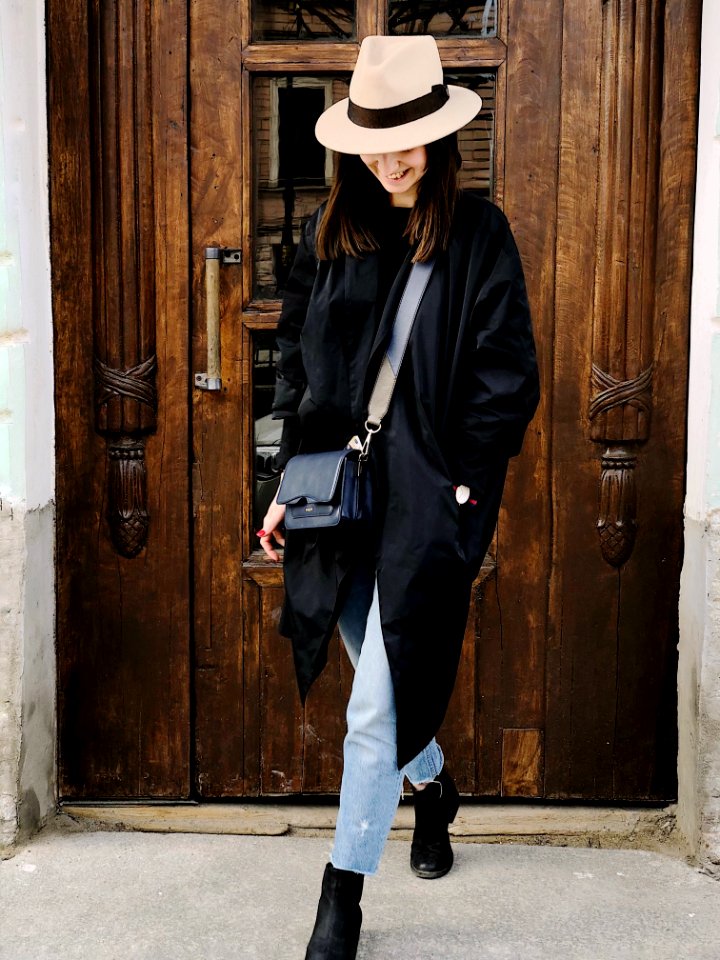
{"points": [[622, 368], [124, 258]]}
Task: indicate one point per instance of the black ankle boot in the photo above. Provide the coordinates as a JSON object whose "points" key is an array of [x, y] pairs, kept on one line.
{"points": [[337, 926], [436, 805]]}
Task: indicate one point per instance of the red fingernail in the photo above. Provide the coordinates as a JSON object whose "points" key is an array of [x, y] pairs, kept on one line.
{"points": [[260, 533], [473, 502]]}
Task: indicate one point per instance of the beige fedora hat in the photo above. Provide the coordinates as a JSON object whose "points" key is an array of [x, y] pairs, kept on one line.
{"points": [[398, 99]]}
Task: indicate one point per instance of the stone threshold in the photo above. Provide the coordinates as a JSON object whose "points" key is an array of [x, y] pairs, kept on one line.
{"points": [[644, 828]]}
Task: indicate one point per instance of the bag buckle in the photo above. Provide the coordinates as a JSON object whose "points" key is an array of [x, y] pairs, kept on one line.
{"points": [[363, 446], [372, 428]]}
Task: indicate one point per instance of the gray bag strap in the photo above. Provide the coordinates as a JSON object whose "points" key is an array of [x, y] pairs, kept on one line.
{"points": [[402, 327]]}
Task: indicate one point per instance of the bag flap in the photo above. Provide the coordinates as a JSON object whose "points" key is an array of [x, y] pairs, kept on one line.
{"points": [[312, 476]]}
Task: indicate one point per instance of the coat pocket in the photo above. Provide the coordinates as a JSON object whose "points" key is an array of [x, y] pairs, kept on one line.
{"points": [[476, 520]]}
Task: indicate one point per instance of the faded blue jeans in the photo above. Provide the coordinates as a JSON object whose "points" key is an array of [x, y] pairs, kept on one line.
{"points": [[371, 781]]}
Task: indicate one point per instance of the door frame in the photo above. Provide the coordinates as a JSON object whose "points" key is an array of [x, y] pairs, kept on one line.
{"points": [[89, 571]]}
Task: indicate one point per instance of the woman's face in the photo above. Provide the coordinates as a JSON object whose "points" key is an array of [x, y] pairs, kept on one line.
{"points": [[399, 173]]}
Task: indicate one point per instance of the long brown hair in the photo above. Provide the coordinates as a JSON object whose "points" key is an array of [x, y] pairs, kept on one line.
{"points": [[357, 202]]}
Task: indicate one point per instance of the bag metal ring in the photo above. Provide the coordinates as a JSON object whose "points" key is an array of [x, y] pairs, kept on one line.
{"points": [[372, 429]]}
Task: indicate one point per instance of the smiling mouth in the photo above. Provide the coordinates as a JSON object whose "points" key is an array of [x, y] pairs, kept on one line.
{"points": [[395, 177]]}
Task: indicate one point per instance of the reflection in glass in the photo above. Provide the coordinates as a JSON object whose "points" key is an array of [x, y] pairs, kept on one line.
{"points": [[443, 18], [267, 431], [477, 140], [293, 172], [303, 20]]}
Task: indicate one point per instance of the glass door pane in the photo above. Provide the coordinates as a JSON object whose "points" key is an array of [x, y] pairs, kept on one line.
{"points": [[293, 176], [443, 19], [303, 20], [293, 173], [477, 140], [267, 432]]}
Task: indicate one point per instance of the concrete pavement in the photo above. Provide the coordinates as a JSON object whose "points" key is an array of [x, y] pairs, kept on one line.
{"points": [[76, 895]]}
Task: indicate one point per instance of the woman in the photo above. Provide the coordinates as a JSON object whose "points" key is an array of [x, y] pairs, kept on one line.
{"points": [[466, 390]]}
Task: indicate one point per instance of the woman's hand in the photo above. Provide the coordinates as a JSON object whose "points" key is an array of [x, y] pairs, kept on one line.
{"points": [[270, 534]]}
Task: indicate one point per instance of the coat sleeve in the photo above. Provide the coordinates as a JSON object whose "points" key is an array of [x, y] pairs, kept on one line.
{"points": [[290, 378], [499, 386]]}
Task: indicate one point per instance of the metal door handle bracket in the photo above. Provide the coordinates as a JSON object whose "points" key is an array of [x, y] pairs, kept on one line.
{"points": [[210, 379]]}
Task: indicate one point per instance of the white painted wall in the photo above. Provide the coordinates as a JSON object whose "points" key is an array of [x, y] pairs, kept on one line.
{"points": [[27, 660], [699, 671]]}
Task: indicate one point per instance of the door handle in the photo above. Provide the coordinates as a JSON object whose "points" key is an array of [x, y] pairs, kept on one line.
{"points": [[211, 379]]}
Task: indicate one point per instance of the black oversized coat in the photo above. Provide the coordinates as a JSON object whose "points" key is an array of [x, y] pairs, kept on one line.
{"points": [[467, 389]]}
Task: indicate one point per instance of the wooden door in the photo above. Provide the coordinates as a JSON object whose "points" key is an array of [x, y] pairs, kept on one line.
{"points": [[255, 178], [567, 681]]}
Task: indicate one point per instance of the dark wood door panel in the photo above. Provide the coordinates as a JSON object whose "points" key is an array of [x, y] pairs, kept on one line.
{"points": [[512, 646], [288, 748], [619, 384], [119, 222], [217, 428]]}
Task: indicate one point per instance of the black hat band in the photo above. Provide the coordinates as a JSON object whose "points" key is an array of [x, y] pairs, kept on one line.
{"points": [[385, 117]]}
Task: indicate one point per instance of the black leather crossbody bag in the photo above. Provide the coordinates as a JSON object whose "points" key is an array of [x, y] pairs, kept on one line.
{"points": [[325, 489]]}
